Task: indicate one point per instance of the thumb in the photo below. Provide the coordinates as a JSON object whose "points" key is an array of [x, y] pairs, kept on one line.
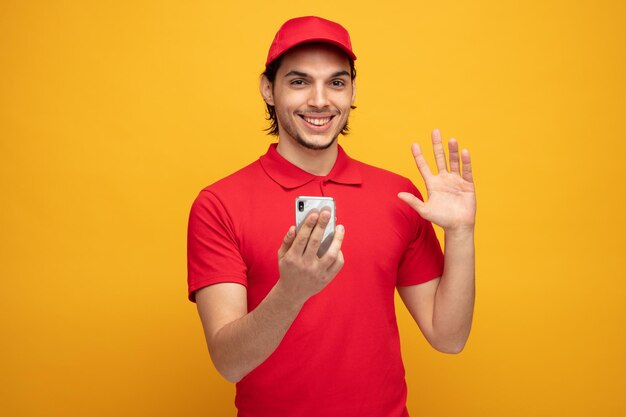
{"points": [[417, 204]]}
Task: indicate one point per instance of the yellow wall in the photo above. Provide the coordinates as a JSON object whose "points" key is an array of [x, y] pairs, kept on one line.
{"points": [[114, 114]]}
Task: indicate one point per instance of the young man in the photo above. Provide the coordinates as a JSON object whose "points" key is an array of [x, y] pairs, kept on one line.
{"points": [[304, 335]]}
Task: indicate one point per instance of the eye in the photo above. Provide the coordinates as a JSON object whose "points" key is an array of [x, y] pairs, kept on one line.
{"points": [[297, 82], [338, 83]]}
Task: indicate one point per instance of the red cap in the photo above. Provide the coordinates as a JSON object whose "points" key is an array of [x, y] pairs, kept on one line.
{"points": [[309, 29]]}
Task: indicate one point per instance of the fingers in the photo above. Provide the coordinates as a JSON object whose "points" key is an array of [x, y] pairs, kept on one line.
{"points": [[440, 155], [420, 161], [309, 237], [459, 163], [302, 237], [335, 245], [317, 234], [467, 166], [287, 241], [333, 258], [337, 264], [307, 241], [453, 148]]}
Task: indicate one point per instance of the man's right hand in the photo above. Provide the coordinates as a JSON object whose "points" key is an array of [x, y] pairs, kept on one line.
{"points": [[239, 340], [302, 273]]}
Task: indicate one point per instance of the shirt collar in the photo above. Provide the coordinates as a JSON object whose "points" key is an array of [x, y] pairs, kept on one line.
{"points": [[286, 174]]}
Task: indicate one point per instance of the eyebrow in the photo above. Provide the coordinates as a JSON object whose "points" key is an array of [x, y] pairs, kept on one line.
{"points": [[304, 74]]}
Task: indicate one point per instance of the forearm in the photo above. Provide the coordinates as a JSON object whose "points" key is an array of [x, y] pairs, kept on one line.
{"points": [[239, 340], [454, 299], [243, 344]]}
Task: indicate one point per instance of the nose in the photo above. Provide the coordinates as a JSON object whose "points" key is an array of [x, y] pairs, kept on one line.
{"points": [[318, 97]]}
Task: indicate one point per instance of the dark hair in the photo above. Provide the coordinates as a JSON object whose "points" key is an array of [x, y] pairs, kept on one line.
{"points": [[270, 73]]}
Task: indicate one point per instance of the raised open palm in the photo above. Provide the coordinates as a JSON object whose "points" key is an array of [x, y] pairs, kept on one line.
{"points": [[451, 202]]}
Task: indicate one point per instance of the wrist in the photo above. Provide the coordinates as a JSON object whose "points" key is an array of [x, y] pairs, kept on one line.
{"points": [[463, 232], [287, 298]]}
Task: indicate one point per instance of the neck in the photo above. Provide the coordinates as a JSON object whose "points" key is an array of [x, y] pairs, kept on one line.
{"points": [[313, 161]]}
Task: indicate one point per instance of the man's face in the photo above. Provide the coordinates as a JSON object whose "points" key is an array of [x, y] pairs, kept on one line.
{"points": [[312, 95]]}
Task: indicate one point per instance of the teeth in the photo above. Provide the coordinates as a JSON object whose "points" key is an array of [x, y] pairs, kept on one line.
{"points": [[317, 121]]}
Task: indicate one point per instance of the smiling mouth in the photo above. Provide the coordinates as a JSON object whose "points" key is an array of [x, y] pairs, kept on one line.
{"points": [[317, 121]]}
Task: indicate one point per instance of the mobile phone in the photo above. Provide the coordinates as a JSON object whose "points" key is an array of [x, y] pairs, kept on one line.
{"points": [[304, 205]]}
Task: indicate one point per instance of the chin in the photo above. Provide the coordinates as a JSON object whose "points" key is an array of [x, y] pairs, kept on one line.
{"points": [[314, 145]]}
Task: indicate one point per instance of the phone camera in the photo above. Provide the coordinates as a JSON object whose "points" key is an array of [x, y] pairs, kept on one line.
{"points": [[300, 205]]}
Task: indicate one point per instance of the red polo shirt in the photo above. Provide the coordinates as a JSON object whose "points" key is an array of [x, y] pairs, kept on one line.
{"points": [[341, 356]]}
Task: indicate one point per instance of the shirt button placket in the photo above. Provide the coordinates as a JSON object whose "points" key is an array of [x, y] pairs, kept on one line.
{"points": [[323, 187]]}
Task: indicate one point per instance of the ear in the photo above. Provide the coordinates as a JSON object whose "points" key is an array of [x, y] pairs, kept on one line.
{"points": [[266, 90], [353, 91]]}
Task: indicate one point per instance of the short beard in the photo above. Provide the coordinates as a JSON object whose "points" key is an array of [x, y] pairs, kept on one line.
{"points": [[313, 146], [294, 134]]}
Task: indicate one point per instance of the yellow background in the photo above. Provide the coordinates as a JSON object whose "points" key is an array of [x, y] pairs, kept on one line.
{"points": [[114, 114]]}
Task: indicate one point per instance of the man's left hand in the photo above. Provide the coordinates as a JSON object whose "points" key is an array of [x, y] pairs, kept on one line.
{"points": [[451, 200]]}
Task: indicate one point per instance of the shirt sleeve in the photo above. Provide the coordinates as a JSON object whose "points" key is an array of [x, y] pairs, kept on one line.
{"points": [[213, 254], [422, 261]]}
